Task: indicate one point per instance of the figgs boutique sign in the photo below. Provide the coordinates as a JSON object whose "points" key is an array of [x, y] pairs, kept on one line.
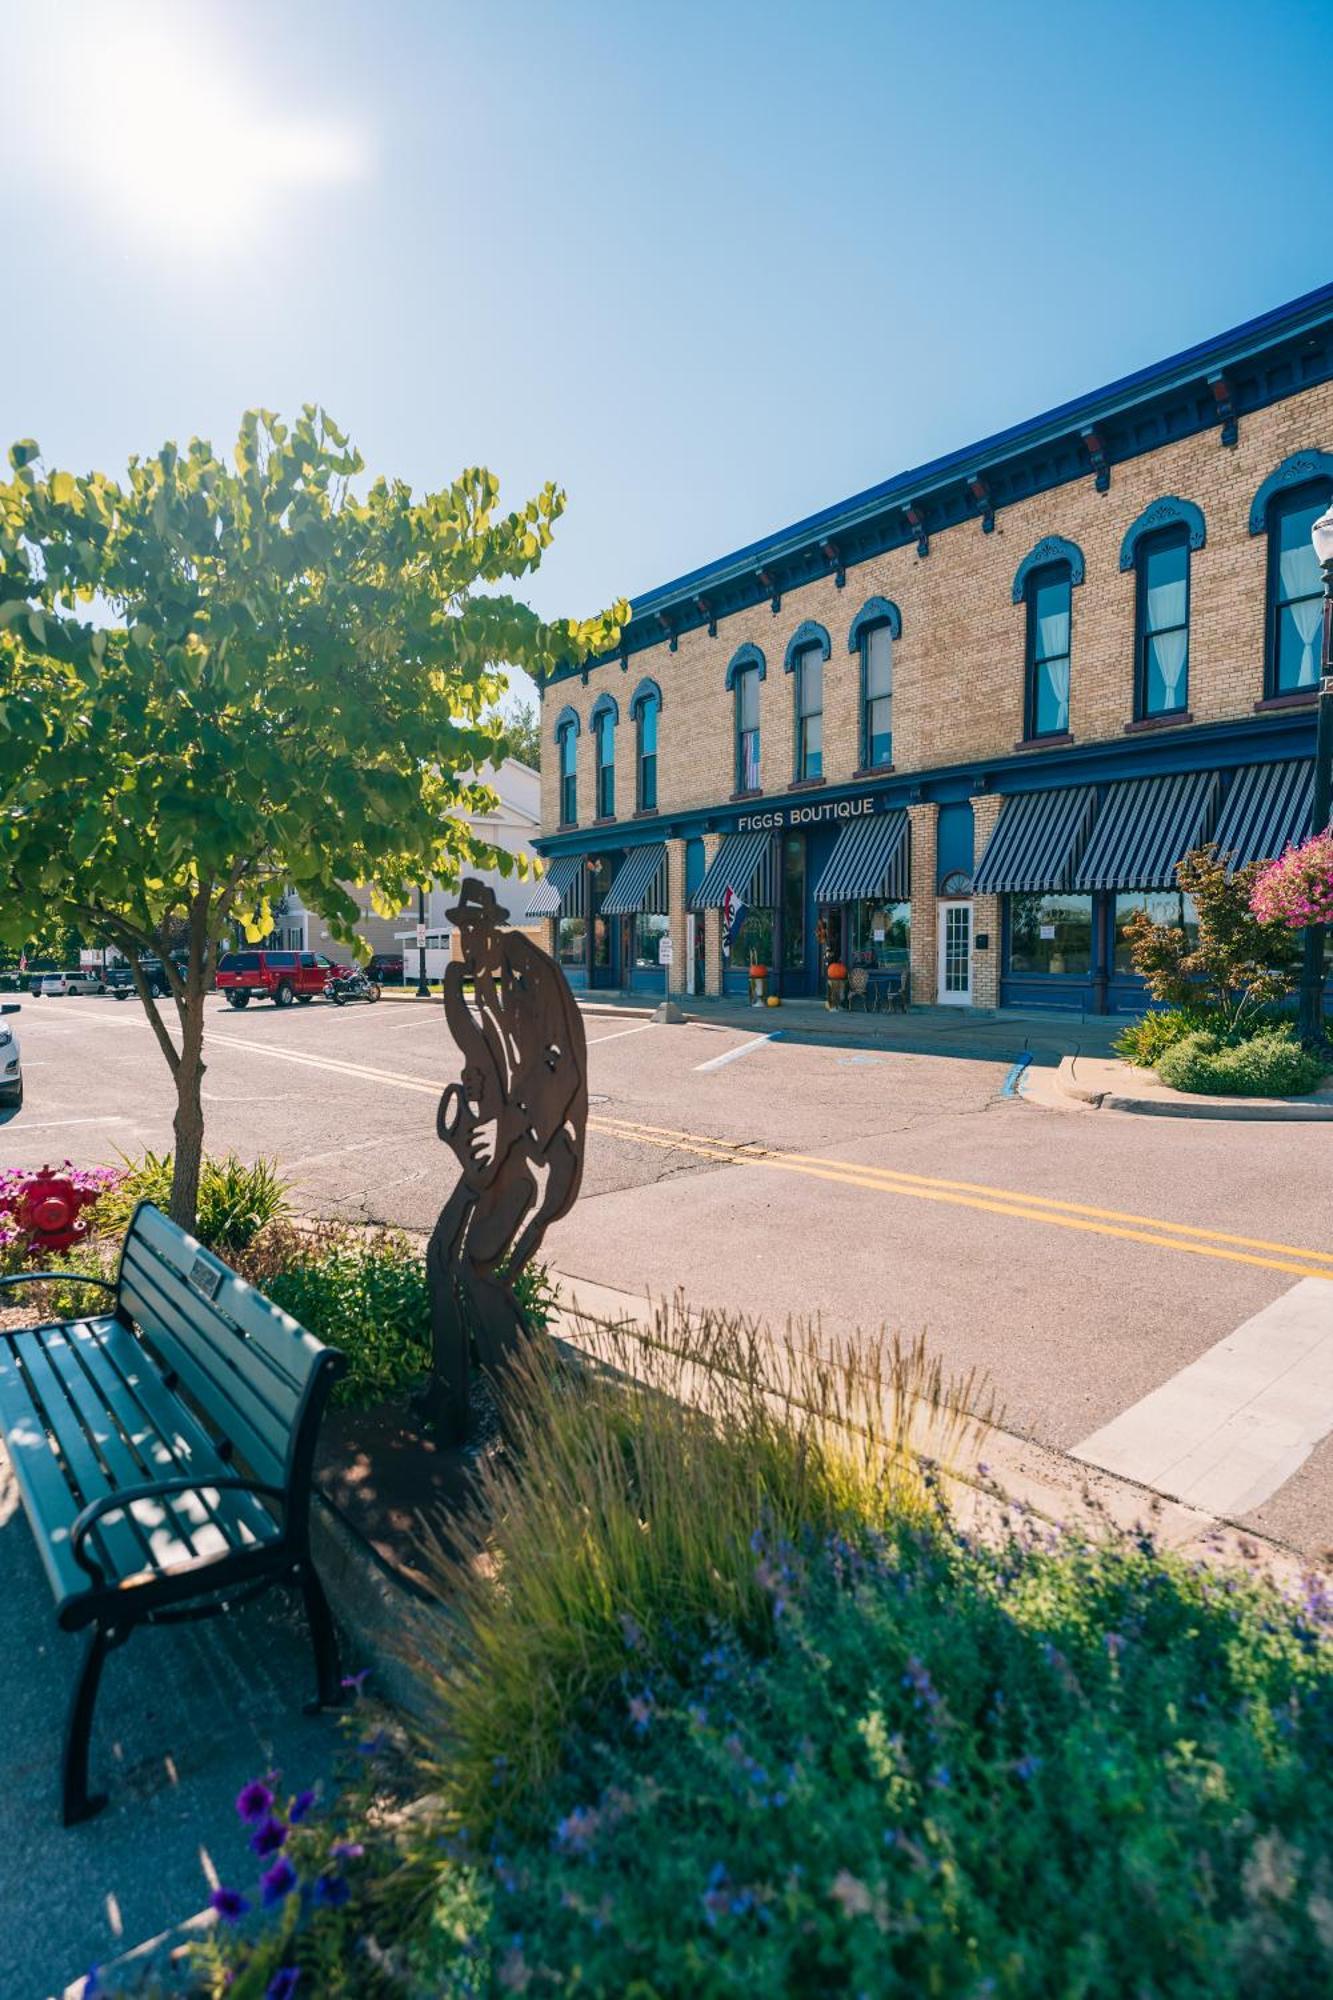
{"points": [[812, 815]]}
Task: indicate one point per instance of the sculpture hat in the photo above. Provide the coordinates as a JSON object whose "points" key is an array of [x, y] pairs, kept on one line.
{"points": [[477, 905]]}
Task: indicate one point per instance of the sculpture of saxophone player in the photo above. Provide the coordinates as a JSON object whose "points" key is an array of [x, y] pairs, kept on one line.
{"points": [[516, 1122]]}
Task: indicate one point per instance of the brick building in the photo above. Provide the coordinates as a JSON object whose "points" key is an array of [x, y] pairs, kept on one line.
{"points": [[968, 720]]}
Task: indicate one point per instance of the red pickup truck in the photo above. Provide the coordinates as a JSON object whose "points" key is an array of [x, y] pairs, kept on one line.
{"points": [[279, 976]]}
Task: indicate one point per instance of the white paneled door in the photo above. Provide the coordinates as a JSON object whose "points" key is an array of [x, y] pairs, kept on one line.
{"points": [[955, 935]]}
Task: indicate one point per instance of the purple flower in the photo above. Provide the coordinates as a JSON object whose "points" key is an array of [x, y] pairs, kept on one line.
{"points": [[268, 1836], [576, 1832], [301, 1805], [332, 1890], [229, 1904], [254, 1802], [283, 1983], [1027, 1768], [355, 1683], [347, 1850], [1115, 1645], [92, 1983], [641, 1711], [278, 1882]]}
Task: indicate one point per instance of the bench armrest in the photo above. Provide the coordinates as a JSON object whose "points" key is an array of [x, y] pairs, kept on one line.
{"points": [[157, 1489], [60, 1277]]}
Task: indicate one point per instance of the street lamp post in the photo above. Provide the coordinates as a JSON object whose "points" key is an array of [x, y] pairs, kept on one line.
{"points": [[423, 984], [1312, 968]]}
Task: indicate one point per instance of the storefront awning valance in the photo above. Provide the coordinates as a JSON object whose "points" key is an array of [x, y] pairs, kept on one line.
{"points": [[563, 890], [735, 865], [640, 884], [1268, 807], [1037, 842], [869, 858], [1144, 827]]}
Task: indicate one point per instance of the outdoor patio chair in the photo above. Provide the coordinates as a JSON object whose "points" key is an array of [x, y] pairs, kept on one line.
{"points": [[858, 985]]}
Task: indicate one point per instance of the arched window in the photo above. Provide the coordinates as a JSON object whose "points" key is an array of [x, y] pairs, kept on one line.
{"points": [[1162, 624], [645, 709], [605, 715], [1295, 590], [807, 650], [745, 670], [875, 627], [567, 744], [1049, 595]]}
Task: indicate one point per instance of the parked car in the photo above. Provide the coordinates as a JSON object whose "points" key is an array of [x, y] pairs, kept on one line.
{"points": [[386, 968], [11, 1061], [279, 976], [78, 979], [120, 979]]}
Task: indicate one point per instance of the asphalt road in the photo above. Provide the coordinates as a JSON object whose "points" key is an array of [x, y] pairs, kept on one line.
{"points": [[1078, 1259]]}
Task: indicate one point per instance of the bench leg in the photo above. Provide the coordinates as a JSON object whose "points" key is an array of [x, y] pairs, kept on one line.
{"points": [[78, 1805], [324, 1639]]}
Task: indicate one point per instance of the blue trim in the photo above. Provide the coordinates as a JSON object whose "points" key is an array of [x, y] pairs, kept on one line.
{"points": [[646, 691], [743, 657], [1293, 471], [605, 704], [1051, 549], [875, 611], [1167, 512], [568, 718], [804, 639]]}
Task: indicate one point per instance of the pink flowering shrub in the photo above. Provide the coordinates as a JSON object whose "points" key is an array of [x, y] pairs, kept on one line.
{"points": [[16, 1247], [1297, 890]]}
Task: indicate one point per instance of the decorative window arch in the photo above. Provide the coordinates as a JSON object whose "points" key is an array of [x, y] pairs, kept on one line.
{"points": [[1300, 469], [645, 708], [875, 611], [1168, 512], [805, 639], [602, 721], [742, 660], [1050, 550], [1285, 508], [567, 727]]}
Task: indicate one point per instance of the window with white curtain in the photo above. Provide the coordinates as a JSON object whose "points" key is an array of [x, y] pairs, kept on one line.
{"points": [[877, 698], [1049, 596], [1163, 563], [1295, 592]]}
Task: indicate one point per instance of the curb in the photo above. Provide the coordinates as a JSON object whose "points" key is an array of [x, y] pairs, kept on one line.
{"points": [[1313, 1110]]}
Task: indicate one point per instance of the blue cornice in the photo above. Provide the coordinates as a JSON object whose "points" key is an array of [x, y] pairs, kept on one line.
{"points": [[1210, 386], [1168, 512], [875, 611], [1202, 746], [743, 657], [806, 639], [1051, 549], [1293, 471]]}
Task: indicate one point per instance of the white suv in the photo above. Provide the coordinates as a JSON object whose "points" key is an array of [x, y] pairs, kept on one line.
{"points": [[80, 979], [11, 1064]]}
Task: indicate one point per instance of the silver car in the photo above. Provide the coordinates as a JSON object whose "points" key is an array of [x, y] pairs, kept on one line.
{"points": [[11, 1062]]}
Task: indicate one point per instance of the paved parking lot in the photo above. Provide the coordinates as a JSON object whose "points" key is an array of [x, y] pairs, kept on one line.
{"points": [[1080, 1259]]}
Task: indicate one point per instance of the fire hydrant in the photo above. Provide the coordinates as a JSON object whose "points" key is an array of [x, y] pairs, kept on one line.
{"points": [[47, 1211]]}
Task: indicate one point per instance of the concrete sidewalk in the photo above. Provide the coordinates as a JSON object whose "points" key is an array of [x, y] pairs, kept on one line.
{"points": [[186, 1715]]}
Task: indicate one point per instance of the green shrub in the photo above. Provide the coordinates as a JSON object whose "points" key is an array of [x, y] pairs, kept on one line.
{"points": [[1146, 1040], [236, 1201], [367, 1296], [1269, 1064]]}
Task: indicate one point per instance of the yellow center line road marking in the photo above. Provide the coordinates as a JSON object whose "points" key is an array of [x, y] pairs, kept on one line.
{"points": [[1152, 1230]]}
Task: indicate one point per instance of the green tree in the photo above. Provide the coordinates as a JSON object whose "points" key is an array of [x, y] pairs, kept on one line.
{"points": [[523, 734], [1236, 966], [219, 678]]}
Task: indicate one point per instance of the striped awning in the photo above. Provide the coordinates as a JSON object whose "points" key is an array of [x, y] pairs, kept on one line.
{"points": [[563, 889], [741, 858], [640, 884], [869, 858], [1144, 827], [1268, 807], [1037, 842]]}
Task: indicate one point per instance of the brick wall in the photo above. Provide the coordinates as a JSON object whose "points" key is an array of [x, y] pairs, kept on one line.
{"points": [[986, 910], [958, 667]]}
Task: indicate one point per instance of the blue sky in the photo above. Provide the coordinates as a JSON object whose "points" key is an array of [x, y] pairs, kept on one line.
{"points": [[709, 266]]}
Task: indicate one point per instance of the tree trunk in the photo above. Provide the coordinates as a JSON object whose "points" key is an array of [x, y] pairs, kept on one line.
{"points": [[189, 1121]]}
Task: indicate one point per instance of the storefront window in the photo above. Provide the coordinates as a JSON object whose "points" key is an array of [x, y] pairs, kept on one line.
{"points": [[752, 941], [1164, 906], [648, 934], [601, 874], [878, 933], [793, 902], [1050, 934], [572, 946]]}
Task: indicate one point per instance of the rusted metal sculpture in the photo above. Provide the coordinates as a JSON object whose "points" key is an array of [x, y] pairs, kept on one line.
{"points": [[516, 1123]]}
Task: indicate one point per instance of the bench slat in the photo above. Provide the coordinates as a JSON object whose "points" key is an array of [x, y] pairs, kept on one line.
{"points": [[214, 1324], [99, 1419], [113, 1544], [286, 1346], [46, 1494]]}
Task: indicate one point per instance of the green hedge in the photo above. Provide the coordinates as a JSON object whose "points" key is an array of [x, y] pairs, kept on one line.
{"points": [[1269, 1064]]}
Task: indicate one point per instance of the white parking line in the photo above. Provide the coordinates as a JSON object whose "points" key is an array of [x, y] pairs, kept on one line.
{"points": [[640, 1030], [1235, 1425], [743, 1049], [51, 1124]]}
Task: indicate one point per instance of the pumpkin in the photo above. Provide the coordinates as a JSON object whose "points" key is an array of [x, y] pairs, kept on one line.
{"points": [[837, 971], [773, 1000], [759, 972]]}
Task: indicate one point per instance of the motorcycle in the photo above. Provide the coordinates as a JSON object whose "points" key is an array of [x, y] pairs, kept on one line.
{"points": [[351, 984]]}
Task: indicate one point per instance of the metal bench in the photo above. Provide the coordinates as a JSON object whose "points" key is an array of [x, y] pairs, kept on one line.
{"points": [[164, 1452]]}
